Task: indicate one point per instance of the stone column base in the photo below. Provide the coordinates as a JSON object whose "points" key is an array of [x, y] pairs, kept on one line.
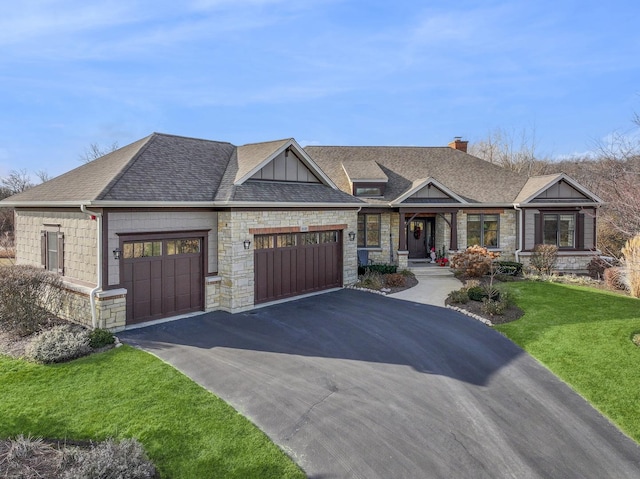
{"points": [[403, 259]]}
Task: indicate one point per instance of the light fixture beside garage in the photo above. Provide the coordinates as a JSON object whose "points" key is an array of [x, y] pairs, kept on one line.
{"points": [[352, 236], [247, 244], [116, 253]]}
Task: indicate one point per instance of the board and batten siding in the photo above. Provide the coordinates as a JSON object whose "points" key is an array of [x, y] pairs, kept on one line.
{"points": [[161, 221]]}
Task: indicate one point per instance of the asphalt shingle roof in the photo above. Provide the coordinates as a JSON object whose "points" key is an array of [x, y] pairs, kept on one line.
{"points": [[173, 169], [476, 180]]}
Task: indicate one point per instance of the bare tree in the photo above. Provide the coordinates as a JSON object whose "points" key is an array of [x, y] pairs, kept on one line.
{"points": [[43, 175], [516, 152], [16, 181], [95, 151]]}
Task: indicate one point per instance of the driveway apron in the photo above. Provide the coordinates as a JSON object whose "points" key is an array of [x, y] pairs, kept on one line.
{"points": [[356, 385]]}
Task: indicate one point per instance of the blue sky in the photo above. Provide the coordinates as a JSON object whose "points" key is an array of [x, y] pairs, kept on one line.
{"points": [[326, 72]]}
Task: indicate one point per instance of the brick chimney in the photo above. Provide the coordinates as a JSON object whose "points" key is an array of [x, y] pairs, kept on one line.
{"points": [[459, 144]]}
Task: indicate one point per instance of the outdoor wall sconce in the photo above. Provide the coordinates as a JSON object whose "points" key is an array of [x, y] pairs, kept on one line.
{"points": [[116, 253], [247, 244], [352, 236]]}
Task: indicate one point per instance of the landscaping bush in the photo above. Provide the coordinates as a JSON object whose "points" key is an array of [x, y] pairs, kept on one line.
{"points": [[476, 293], [395, 280], [597, 266], [112, 460], [544, 258], [508, 268], [378, 268], [58, 344], [371, 280], [474, 262], [406, 273], [28, 296], [459, 296], [631, 252], [614, 278], [99, 338], [494, 307]]}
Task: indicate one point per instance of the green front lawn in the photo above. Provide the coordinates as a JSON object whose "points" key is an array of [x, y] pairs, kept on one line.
{"points": [[188, 432], [584, 336]]}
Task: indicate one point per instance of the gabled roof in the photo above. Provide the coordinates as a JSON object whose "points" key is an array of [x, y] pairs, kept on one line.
{"points": [[471, 179], [420, 184], [536, 185], [253, 157], [168, 169]]}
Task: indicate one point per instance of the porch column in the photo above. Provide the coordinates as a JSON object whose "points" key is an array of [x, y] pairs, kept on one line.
{"points": [[454, 231], [402, 233]]}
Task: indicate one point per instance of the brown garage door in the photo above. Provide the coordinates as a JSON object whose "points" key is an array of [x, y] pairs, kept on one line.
{"points": [[163, 277], [290, 264]]}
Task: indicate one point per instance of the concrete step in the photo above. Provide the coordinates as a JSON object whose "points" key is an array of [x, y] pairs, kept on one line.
{"points": [[431, 270]]}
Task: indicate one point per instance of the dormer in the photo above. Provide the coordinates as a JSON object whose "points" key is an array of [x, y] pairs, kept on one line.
{"points": [[366, 178]]}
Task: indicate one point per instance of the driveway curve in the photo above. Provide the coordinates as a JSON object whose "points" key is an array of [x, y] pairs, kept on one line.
{"points": [[356, 385]]}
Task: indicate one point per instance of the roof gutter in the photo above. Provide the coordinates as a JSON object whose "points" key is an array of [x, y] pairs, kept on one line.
{"points": [[520, 232], [92, 294]]}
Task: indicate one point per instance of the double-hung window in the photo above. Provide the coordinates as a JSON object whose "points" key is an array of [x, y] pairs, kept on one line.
{"points": [[483, 230], [368, 230]]}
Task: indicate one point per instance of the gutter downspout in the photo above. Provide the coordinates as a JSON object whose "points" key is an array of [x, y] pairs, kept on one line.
{"points": [[92, 294], [520, 233]]}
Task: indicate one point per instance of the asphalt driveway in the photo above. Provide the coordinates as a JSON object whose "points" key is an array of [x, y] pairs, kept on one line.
{"points": [[356, 385]]}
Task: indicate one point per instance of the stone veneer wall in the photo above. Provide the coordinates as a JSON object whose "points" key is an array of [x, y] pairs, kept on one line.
{"points": [[381, 255], [236, 264], [79, 241], [575, 262], [507, 241]]}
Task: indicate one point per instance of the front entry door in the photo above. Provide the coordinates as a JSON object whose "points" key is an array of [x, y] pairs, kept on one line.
{"points": [[420, 237], [417, 238]]}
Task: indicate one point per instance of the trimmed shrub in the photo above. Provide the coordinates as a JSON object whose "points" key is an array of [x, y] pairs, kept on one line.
{"points": [[474, 262], [614, 278], [476, 293], [544, 257], [113, 460], [28, 298], [58, 344], [378, 268], [395, 280], [459, 296], [99, 338]]}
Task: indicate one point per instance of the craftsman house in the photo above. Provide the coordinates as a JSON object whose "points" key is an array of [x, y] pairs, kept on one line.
{"points": [[170, 225], [441, 198]]}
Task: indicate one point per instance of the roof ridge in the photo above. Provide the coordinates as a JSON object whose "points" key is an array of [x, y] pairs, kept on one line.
{"points": [[379, 146], [269, 141], [171, 135]]}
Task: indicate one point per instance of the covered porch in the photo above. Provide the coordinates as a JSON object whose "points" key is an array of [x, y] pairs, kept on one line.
{"points": [[423, 231]]}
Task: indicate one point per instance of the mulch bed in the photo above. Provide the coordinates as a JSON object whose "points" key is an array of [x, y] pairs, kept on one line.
{"points": [[511, 314]]}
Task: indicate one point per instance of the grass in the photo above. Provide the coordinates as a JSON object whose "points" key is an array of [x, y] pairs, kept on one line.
{"points": [[187, 431], [584, 335]]}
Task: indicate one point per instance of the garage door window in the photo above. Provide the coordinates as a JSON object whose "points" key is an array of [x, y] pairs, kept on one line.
{"points": [[183, 246], [142, 249]]}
